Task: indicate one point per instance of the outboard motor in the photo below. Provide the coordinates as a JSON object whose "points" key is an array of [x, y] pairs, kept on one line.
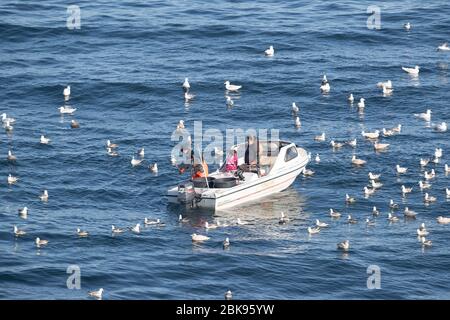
{"points": [[186, 192]]}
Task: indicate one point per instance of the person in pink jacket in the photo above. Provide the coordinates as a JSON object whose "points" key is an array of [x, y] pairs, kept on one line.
{"points": [[232, 161]]}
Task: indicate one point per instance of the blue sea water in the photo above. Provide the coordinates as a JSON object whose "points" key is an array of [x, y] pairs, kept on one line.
{"points": [[125, 66]]}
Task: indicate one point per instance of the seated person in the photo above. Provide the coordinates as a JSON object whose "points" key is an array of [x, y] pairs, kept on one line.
{"points": [[232, 161], [200, 169]]}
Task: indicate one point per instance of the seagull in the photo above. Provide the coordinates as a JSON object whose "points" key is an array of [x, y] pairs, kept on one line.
{"points": [[387, 84], [67, 110], [443, 220], [397, 129], [371, 135], [351, 98], [393, 205], [443, 47], [96, 294], [334, 214], [182, 220], [447, 192], [409, 213], [136, 228], [387, 91], [428, 198], [392, 218], [111, 152], [66, 93], [226, 243], [317, 159], [149, 222], [424, 185], [111, 145], [320, 137], [23, 211], [321, 224], [380, 146], [446, 168], [10, 156], [361, 103], [40, 242], [313, 230], [308, 172], [141, 152], [358, 162], [370, 223], [336, 145], [44, 140], [210, 226], [295, 109], [375, 211], [135, 162], [424, 162], [82, 233], [44, 196], [344, 245], [424, 116], [376, 185], [154, 168], [269, 52], [349, 199], [74, 124], [18, 232], [412, 71], [441, 127], [406, 190], [352, 143], [230, 102], [374, 176], [369, 192], [425, 242], [325, 87], [407, 26], [351, 220], [401, 170], [114, 229], [198, 237], [5, 119], [387, 133], [12, 180], [298, 124], [186, 85], [438, 153], [188, 96], [283, 219], [228, 295], [429, 176], [422, 233], [231, 87], [422, 226]]}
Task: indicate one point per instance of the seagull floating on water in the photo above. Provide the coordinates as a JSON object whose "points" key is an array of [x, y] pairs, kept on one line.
{"points": [[358, 162], [114, 229], [149, 222], [230, 102], [40, 242], [375, 211], [228, 295], [422, 233], [18, 232], [325, 86], [393, 205], [10, 156], [349, 199], [298, 124], [320, 137], [23, 211], [443, 47], [283, 219], [74, 124], [446, 168], [412, 71], [424, 116], [231, 87], [186, 85], [12, 180], [111, 152], [406, 190], [374, 176], [409, 213], [6, 119], [188, 96], [369, 192], [198, 237], [438, 152], [407, 26], [66, 93], [344, 245], [371, 135], [424, 185], [351, 220], [334, 214], [44, 140], [336, 145], [295, 109], [375, 184], [380, 146], [269, 52], [226, 243], [210, 226], [441, 127], [317, 159], [361, 103], [135, 162], [370, 223], [314, 230], [443, 220], [154, 168], [351, 98], [136, 228], [425, 242], [424, 162], [392, 218], [321, 224], [401, 170], [428, 199], [82, 233], [96, 294], [111, 145], [67, 110]]}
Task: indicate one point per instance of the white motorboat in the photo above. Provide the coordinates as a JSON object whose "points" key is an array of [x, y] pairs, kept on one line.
{"points": [[278, 166]]}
